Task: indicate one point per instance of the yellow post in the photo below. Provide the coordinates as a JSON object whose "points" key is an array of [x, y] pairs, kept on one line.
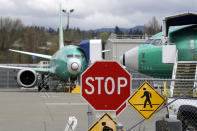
{"points": [[165, 92], [196, 92]]}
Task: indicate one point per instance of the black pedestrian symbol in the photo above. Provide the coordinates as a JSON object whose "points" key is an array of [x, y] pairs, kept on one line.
{"points": [[106, 128], [148, 95]]}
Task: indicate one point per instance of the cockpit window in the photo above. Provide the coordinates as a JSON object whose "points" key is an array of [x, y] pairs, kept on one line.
{"points": [[148, 41], [156, 42], [71, 55], [79, 56], [74, 55]]}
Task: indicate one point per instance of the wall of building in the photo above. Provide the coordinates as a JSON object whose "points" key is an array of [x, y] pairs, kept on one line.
{"points": [[119, 46]]}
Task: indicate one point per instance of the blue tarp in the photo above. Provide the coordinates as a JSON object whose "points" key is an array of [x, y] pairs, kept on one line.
{"points": [[85, 46]]}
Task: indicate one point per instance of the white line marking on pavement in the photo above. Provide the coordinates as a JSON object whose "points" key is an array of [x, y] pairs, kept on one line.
{"points": [[69, 104], [52, 96]]}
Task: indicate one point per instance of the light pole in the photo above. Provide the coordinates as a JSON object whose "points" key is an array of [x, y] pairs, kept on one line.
{"points": [[17, 44], [68, 14]]}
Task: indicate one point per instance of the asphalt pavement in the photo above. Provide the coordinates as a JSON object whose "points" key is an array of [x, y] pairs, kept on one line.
{"points": [[40, 111]]}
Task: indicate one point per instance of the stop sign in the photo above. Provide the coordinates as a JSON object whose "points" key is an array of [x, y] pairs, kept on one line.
{"points": [[105, 85]]}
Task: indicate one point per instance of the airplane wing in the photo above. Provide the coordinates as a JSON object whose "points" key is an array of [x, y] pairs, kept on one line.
{"points": [[33, 54], [11, 67], [20, 68], [43, 70]]}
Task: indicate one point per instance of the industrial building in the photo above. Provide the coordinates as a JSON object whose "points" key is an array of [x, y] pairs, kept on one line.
{"points": [[119, 44]]}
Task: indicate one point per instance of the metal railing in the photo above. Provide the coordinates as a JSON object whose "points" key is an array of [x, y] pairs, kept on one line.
{"points": [[174, 73], [43, 64], [115, 36]]}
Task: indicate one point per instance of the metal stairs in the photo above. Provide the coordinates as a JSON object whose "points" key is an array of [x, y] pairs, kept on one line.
{"points": [[43, 64], [184, 70]]}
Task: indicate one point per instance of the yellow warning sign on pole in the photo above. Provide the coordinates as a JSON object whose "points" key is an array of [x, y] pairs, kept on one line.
{"points": [[105, 123], [146, 100]]}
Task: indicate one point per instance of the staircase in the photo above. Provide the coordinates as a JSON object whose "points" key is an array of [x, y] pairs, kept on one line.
{"points": [[183, 70]]}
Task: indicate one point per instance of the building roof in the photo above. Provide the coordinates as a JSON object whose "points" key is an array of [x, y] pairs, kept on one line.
{"points": [[178, 20]]}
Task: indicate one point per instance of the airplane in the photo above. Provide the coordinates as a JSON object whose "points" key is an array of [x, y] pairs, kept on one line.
{"points": [[156, 57], [66, 64]]}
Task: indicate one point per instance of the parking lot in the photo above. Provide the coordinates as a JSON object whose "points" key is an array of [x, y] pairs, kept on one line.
{"points": [[22, 111]]}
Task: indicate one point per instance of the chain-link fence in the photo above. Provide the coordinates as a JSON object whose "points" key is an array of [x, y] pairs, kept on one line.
{"points": [[178, 112], [181, 102], [8, 77]]}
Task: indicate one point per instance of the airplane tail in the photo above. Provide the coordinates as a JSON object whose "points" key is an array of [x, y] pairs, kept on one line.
{"points": [[61, 39], [92, 50]]}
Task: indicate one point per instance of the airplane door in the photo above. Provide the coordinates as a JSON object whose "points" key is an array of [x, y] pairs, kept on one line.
{"points": [[168, 53]]}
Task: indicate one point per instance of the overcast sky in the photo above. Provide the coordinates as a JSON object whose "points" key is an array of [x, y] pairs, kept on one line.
{"points": [[92, 14]]}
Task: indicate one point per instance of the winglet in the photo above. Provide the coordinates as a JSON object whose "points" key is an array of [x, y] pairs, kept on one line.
{"points": [[61, 39]]}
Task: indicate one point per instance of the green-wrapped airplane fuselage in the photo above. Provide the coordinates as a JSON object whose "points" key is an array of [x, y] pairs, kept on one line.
{"points": [[69, 62], [149, 58]]}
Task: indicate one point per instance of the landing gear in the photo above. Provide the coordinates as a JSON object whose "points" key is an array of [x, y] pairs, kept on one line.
{"points": [[58, 86], [70, 88], [71, 84], [64, 87], [43, 83]]}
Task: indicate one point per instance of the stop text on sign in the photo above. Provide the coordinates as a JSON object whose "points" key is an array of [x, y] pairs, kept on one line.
{"points": [[106, 85], [109, 85]]}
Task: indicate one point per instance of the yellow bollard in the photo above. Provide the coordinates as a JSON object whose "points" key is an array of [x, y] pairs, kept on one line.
{"points": [[165, 91]]}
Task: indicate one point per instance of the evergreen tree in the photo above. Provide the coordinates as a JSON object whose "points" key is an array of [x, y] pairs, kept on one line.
{"points": [[118, 31]]}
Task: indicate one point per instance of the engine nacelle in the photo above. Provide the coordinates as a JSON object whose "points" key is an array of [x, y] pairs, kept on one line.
{"points": [[27, 78]]}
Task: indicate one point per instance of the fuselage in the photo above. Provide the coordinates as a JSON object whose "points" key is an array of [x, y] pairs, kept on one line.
{"points": [[68, 63], [147, 58]]}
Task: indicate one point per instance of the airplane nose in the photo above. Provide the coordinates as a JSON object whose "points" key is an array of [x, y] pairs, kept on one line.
{"points": [[130, 59], [122, 59], [74, 66]]}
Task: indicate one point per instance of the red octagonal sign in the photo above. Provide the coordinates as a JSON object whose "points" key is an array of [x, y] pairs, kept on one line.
{"points": [[106, 85]]}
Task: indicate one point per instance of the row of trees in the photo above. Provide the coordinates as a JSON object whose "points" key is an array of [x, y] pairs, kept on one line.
{"points": [[151, 28], [118, 31], [15, 35]]}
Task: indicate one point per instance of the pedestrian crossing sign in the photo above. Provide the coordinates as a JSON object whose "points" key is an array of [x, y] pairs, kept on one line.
{"points": [[146, 100], [105, 123]]}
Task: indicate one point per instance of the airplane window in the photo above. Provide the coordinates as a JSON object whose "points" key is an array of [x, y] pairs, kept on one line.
{"points": [[148, 41], [156, 42]]}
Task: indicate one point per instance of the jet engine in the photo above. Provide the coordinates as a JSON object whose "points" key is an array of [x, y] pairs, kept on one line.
{"points": [[27, 78]]}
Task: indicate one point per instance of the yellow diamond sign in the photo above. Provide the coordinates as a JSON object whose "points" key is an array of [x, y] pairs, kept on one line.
{"points": [[146, 100], [105, 123]]}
